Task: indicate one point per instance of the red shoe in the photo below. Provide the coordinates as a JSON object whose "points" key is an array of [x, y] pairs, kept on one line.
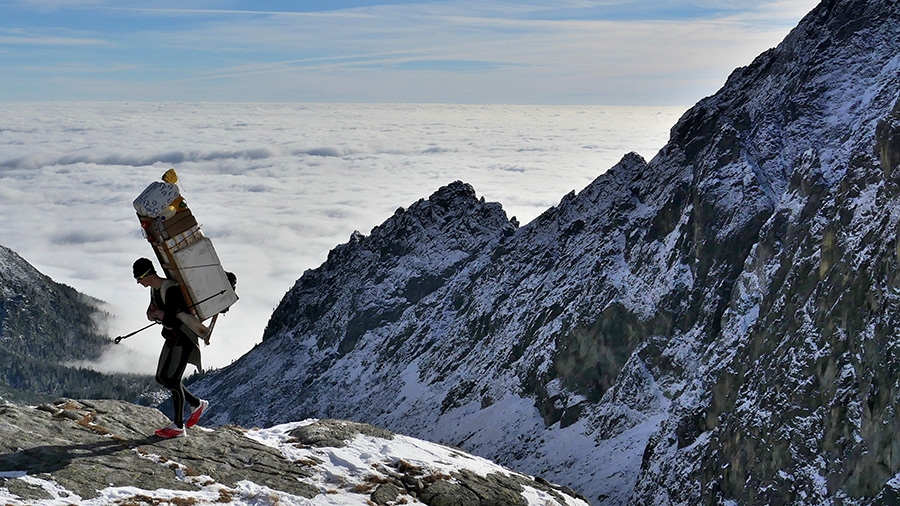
{"points": [[171, 431], [196, 414]]}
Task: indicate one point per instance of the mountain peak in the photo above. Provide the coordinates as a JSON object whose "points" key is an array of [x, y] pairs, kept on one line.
{"points": [[455, 193], [453, 211], [408, 257]]}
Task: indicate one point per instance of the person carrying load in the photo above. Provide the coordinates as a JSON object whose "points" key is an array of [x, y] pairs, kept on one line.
{"points": [[181, 346], [193, 288]]}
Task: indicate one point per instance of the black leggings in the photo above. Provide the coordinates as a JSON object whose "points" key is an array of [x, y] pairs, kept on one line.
{"points": [[172, 362]]}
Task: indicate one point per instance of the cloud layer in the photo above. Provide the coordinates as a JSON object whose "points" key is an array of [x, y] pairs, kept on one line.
{"points": [[276, 186]]}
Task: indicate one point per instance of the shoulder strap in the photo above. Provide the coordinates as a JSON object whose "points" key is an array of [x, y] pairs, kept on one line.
{"points": [[168, 283]]}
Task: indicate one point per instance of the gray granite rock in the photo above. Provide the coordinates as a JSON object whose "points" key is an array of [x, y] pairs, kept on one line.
{"points": [[86, 446]]}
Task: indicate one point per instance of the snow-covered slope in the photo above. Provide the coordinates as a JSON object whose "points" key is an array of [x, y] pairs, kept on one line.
{"points": [[713, 325]]}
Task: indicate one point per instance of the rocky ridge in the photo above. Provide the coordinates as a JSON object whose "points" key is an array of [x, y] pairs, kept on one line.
{"points": [[713, 325], [98, 452]]}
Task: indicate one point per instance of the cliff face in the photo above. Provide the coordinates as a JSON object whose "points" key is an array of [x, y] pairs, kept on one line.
{"points": [[715, 324]]}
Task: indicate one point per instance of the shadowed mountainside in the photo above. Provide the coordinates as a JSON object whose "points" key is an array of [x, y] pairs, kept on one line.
{"points": [[714, 325]]}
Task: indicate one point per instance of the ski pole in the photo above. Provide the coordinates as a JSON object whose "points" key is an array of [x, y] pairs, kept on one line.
{"points": [[126, 336]]}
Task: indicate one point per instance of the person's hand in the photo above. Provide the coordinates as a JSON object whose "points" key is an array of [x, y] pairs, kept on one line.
{"points": [[155, 315]]}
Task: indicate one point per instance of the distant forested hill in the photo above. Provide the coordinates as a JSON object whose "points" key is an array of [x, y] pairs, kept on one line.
{"points": [[45, 325]]}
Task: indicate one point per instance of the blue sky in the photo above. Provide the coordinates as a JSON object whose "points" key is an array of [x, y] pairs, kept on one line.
{"points": [[616, 52]]}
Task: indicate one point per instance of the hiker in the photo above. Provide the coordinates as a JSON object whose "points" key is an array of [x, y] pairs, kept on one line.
{"points": [[180, 349]]}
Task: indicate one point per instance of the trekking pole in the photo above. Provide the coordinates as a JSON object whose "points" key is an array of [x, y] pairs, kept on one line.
{"points": [[126, 336]]}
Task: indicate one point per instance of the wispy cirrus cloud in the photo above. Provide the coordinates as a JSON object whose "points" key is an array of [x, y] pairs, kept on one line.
{"points": [[396, 51], [20, 38]]}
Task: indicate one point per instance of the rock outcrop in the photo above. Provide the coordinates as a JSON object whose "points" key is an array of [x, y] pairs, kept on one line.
{"points": [[99, 452], [87, 446]]}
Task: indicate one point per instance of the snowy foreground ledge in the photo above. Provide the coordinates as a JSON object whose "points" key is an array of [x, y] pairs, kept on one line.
{"points": [[98, 453]]}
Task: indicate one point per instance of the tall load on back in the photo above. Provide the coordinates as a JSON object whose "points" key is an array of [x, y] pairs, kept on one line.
{"points": [[184, 253]]}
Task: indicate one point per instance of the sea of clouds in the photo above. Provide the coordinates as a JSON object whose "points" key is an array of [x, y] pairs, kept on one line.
{"points": [[275, 186]]}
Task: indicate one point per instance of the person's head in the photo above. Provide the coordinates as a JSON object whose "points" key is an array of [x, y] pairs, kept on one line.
{"points": [[143, 270]]}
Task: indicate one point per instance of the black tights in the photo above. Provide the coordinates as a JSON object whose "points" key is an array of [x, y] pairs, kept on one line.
{"points": [[172, 363]]}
